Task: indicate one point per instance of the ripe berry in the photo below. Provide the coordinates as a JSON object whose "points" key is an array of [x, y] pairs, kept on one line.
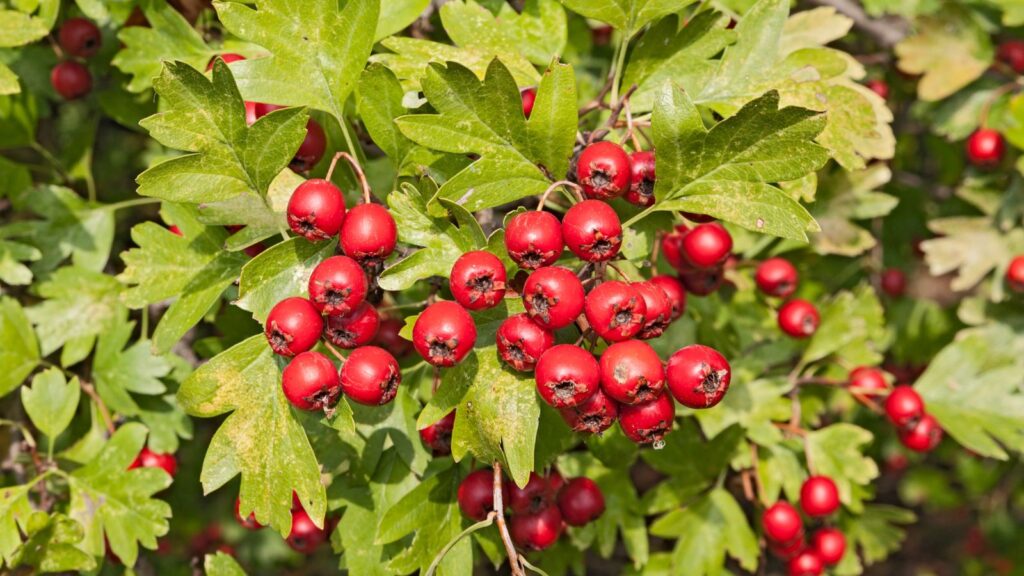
{"points": [[534, 239], [787, 550], [293, 326], [672, 247], [659, 310], [985, 148], [1015, 274], [521, 342], [776, 277], [369, 233], [556, 481], [149, 459], [698, 218], [880, 87], [444, 333], [602, 169], [922, 436], [806, 563], [534, 497], [537, 531], [567, 375], [355, 329], [592, 231], [312, 148], [478, 280], [175, 230], [647, 423], [601, 35], [698, 376], [553, 297], [529, 96], [337, 286], [310, 382], [316, 210], [305, 537], [228, 58], [581, 502], [894, 282], [675, 291], [438, 436], [904, 406], [249, 523], [615, 311], [476, 494], [819, 496], [79, 37], [641, 181], [868, 381], [1011, 53], [782, 523], [389, 337], [594, 415], [701, 282], [707, 245], [71, 80], [631, 372], [370, 376], [798, 318], [830, 544]]}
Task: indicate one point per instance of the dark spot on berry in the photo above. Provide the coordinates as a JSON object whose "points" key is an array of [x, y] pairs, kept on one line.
{"points": [[541, 306], [390, 386], [563, 390], [341, 337], [279, 340], [623, 316], [601, 246], [441, 350], [711, 382], [644, 392], [593, 423]]}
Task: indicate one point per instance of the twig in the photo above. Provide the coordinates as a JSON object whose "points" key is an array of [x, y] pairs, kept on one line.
{"points": [[757, 475], [616, 110], [572, 185], [819, 381], [356, 168], [334, 351], [886, 31], [506, 539], [104, 413]]}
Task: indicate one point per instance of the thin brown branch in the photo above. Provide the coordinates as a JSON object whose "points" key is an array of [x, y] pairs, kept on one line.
{"points": [[357, 169], [887, 31], [506, 539], [90, 390]]}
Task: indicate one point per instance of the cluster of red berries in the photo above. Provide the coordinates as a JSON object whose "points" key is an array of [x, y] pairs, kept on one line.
{"points": [[784, 529], [698, 254], [918, 430], [778, 278], [540, 510], [305, 537], [149, 459], [78, 38]]}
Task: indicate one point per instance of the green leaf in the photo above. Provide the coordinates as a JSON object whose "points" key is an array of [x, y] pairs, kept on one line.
{"points": [[168, 38], [968, 245], [51, 401], [52, 545], [8, 81], [15, 510], [538, 31], [876, 531], [626, 15], [379, 100], [396, 15], [852, 328], [949, 49], [844, 197], [12, 254], [553, 120], [707, 530], [836, 451], [18, 28], [222, 564], [78, 303], [19, 350], [120, 371], [278, 273]]}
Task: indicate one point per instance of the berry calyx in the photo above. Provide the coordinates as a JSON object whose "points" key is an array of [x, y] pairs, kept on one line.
{"points": [[1011, 53], [316, 210], [922, 436], [534, 239], [592, 416], [830, 544], [1015, 274], [632, 372], [592, 231], [438, 436], [310, 382], [566, 375], [880, 87], [312, 148], [603, 171], [782, 523], [659, 310], [521, 342], [707, 246], [904, 406], [370, 376], [534, 497], [444, 333], [648, 423], [553, 297], [249, 522], [893, 282], [337, 286], [581, 502], [79, 37], [776, 277], [368, 234], [798, 318], [529, 96], [293, 326], [305, 536], [698, 376], [71, 80], [538, 530], [675, 291], [806, 563], [819, 496], [641, 181], [476, 494], [868, 381], [985, 148], [478, 280], [150, 459], [615, 311], [355, 329]]}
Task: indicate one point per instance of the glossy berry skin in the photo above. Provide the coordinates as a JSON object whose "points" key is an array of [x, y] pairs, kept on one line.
{"points": [[922, 436], [249, 523], [672, 247], [71, 80], [632, 372], [534, 239], [529, 96], [444, 333], [707, 246], [701, 282], [647, 423], [305, 537], [316, 210], [438, 436], [603, 171], [312, 148], [830, 544], [476, 494], [149, 459], [592, 231], [79, 37], [337, 286], [641, 181], [819, 496], [880, 87], [293, 326], [985, 148], [370, 376], [904, 406], [782, 523], [592, 416], [566, 375], [798, 318], [1015, 274], [698, 376], [368, 233], [615, 311], [390, 339], [893, 282], [675, 291], [868, 381], [659, 310], [581, 502], [310, 382], [534, 497], [538, 530], [553, 297], [806, 563], [1011, 53], [776, 277], [478, 280], [357, 328], [521, 342]]}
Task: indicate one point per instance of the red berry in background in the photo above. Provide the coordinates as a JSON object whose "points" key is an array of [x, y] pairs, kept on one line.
{"points": [[477, 280], [593, 416], [698, 376], [659, 310], [249, 523], [310, 381], [79, 37], [444, 333], [592, 231], [782, 523], [537, 531], [922, 436], [707, 246], [316, 210], [806, 563], [701, 282], [529, 96], [1011, 53], [175, 230], [830, 544], [641, 181], [312, 148], [698, 218], [567, 375], [672, 247], [357, 328], [476, 494], [776, 277], [602, 169], [819, 496], [228, 58], [389, 338], [632, 372], [787, 550], [149, 459], [534, 239], [556, 481], [293, 326], [880, 87], [368, 233], [521, 342], [868, 381], [601, 35], [71, 80], [581, 502], [370, 376], [904, 406], [337, 286], [894, 282], [534, 497], [438, 436], [647, 423], [305, 537], [553, 297], [615, 311], [1015, 274], [798, 318], [675, 291], [985, 148]]}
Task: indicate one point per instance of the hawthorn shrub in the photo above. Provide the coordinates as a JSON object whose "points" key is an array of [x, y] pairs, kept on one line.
{"points": [[626, 287]]}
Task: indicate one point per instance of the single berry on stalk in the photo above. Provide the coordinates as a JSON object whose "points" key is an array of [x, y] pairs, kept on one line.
{"points": [[553, 297], [868, 381], [592, 231], [438, 436], [893, 282], [806, 563], [819, 496], [476, 494], [305, 537], [71, 80], [648, 423], [985, 148], [798, 318], [706, 246], [444, 333], [632, 372], [566, 375], [79, 37], [310, 382], [538, 530], [581, 502], [534, 497], [615, 310], [904, 406], [603, 171], [312, 148], [782, 523], [337, 286], [368, 234], [534, 239], [675, 291], [521, 342], [698, 376], [477, 280], [659, 307], [830, 544], [370, 376], [922, 436], [357, 328], [641, 182], [592, 416], [776, 277], [316, 210], [293, 326]]}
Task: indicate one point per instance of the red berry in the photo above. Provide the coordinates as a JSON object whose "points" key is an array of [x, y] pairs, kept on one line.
{"points": [[615, 311], [701, 282], [537, 531], [478, 280], [672, 247], [641, 181], [337, 286], [553, 297], [534, 497], [776, 277], [594, 415], [476, 494], [368, 233], [819, 496], [602, 169], [1015, 274], [894, 282], [175, 230], [782, 523], [647, 423], [556, 481], [806, 563], [71, 80], [316, 210], [249, 523], [79, 37], [880, 87], [521, 342], [698, 218], [601, 35], [787, 550], [312, 148], [355, 329], [1011, 53], [389, 337], [529, 96], [310, 382], [631, 372], [581, 502], [438, 436], [798, 318], [228, 58], [922, 436], [567, 375], [262, 109], [534, 239], [305, 537], [707, 246], [370, 376], [659, 310], [698, 376], [830, 544], [904, 406], [293, 326], [592, 231], [675, 291], [149, 459], [444, 333], [985, 148], [868, 381]]}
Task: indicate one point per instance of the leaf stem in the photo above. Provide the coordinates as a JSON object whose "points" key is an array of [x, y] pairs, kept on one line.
{"points": [[499, 511], [357, 169], [52, 160], [448, 547], [104, 412], [620, 62], [130, 203], [574, 186], [335, 352]]}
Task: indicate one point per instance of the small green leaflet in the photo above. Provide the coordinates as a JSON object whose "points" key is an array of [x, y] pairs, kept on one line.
{"points": [[968, 245], [949, 49], [15, 510], [844, 197], [52, 545], [626, 15], [852, 329], [120, 372], [79, 303], [876, 532], [19, 350], [836, 451], [168, 38], [221, 564], [278, 273], [379, 99], [51, 401], [17, 29], [395, 15], [538, 31], [706, 530]]}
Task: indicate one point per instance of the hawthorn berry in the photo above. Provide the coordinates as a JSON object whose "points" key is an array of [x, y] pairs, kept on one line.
{"points": [[698, 376], [438, 436], [819, 496], [567, 375], [868, 381], [370, 376], [806, 563], [310, 381], [880, 87], [706, 246], [581, 502], [923, 435], [444, 333], [647, 423], [701, 282], [173, 229], [798, 318], [985, 148], [830, 544], [893, 282], [250, 522], [641, 181], [150, 459], [615, 311], [672, 247], [316, 210], [698, 218], [904, 406], [601, 35], [337, 286], [537, 530], [776, 277], [312, 148], [556, 481], [659, 310], [79, 37], [521, 342], [477, 280], [1015, 274], [631, 372], [534, 239], [355, 329], [787, 550], [1011, 53], [675, 291], [389, 337], [603, 171], [782, 523], [594, 415], [476, 494], [529, 96], [305, 536], [368, 233], [553, 297], [71, 80], [293, 326], [534, 497], [228, 58], [592, 231]]}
